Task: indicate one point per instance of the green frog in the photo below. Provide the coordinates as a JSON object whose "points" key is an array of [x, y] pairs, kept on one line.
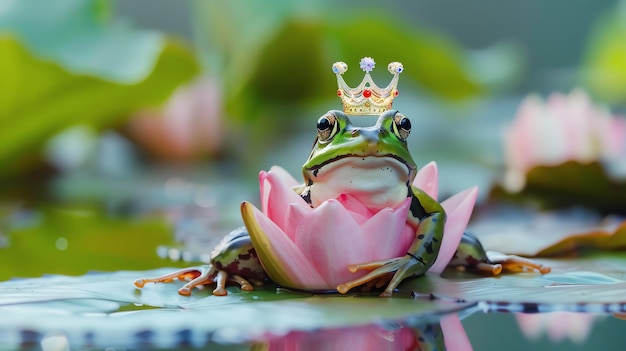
{"points": [[372, 164]]}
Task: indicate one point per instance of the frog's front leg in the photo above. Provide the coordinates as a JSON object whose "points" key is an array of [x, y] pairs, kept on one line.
{"points": [[429, 217], [471, 256]]}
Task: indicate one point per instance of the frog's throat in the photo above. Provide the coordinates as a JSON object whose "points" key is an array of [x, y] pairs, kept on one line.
{"points": [[376, 181]]}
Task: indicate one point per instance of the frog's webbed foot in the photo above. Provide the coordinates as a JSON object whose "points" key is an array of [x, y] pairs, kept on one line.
{"points": [[390, 272], [471, 256], [197, 277], [495, 263], [516, 264]]}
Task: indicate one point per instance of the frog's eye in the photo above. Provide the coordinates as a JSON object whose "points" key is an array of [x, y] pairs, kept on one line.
{"points": [[327, 127], [401, 126]]}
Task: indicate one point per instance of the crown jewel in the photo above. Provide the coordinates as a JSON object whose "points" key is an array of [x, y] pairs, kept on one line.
{"points": [[367, 98]]}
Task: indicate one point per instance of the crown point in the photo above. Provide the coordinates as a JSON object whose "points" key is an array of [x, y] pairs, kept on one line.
{"points": [[395, 68], [340, 67], [367, 64]]}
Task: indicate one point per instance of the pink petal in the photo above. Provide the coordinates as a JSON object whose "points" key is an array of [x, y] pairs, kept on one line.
{"points": [[289, 266], [279, 195], [284, 176], [520, 135], [427, 179], [357, 209], [387, 233], [454, 334], [264, 187], [332, 240], [458, 209], [297, 215]]}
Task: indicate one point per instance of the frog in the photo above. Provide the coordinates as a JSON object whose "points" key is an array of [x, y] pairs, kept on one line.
{"points": [[372, 164]]}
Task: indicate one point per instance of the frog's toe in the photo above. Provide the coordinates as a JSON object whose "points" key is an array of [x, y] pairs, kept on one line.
{"points": [[243, 283], [488, 268]]}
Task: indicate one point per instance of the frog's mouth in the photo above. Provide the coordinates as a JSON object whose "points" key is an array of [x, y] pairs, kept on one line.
{"points": [[368, 161], [377, 181]]}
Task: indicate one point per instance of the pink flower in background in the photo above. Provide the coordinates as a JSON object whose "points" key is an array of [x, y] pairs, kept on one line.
{"points": [[565, 128], [558, 325], [311, 248], [187, 127]]}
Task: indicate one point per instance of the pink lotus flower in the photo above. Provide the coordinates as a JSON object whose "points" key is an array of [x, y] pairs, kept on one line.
{"points": [[311, 248], [566, 127], [187, 127]]}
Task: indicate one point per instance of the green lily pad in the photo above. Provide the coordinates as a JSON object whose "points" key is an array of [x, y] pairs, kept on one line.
{"points": [[566, 233], [598, 239], [569, 184], [76, 306]]}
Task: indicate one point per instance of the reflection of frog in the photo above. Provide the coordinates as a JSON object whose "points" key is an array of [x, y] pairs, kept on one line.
{"points": [[371, 164]]}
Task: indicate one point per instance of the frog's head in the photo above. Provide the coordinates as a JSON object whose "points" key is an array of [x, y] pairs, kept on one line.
{"points": [[371, 163]]}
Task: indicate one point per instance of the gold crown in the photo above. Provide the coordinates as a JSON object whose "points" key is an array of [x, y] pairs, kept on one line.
{"points": [[367, 98]]}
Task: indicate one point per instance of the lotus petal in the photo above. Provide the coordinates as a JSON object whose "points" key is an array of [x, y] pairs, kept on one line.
{"points": [[427, 179], [283, 261], [458, 209]]}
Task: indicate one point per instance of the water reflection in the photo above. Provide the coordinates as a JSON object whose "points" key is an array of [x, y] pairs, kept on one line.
{"points": [[558, 325], [447, 334]]}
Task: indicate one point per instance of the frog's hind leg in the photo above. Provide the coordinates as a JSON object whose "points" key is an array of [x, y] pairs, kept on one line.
{"points": [[196, 276]]}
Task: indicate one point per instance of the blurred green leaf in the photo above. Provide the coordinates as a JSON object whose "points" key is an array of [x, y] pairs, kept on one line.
{"points": [[78, 240], [433, 61], [282, 77], [69, 62], [605, 63], [78, 36], [40, 98]]}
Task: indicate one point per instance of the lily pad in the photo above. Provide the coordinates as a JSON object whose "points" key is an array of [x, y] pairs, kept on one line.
{"points": [[83, 308], [569, 184], [597, 239], [527, 232]]}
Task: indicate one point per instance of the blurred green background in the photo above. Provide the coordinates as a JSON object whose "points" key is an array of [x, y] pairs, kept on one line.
{"points": [[132, 124]]}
